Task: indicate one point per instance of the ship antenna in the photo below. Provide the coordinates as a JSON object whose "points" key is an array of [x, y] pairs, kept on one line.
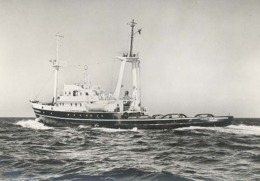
{"points": [[132, 25], [86, 77], [56, 67]]}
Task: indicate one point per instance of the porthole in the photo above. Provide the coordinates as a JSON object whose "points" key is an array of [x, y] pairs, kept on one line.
{"points": [[68, 114], [102, 115]]}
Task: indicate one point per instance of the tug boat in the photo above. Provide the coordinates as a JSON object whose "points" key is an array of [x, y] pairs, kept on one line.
{"points": [[88, 105]]}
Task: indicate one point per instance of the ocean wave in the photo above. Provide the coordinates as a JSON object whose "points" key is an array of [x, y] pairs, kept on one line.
{"points": [[126, 174], [33, 124]]}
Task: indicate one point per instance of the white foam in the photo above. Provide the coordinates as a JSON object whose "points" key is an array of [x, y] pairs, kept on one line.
{"points": [[134, 129], [33, 124], [83, 126], [236, 129], [111, 130], [244, 129], [192, 127]]}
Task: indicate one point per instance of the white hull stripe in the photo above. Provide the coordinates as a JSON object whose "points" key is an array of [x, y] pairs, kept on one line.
{"points": [[60, 117]]}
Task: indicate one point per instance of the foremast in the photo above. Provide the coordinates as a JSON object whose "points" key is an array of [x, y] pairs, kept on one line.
{"points": [[56, 67]]}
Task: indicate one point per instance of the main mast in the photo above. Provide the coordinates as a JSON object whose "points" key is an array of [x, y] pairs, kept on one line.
{"points": [[134, 60], [135, 67]]}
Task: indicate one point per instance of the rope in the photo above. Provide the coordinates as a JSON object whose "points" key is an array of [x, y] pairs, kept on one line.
{"points": [[44, 85]]}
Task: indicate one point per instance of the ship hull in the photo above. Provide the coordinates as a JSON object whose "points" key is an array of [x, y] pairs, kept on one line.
{"points": [[110, 120], [162, 124]]}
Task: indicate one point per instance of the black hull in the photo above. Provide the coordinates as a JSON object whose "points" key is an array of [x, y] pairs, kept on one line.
{"points": [[147, 123], [162, 124]]}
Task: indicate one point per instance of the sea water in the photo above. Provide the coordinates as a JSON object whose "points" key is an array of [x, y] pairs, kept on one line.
{"points": [[30, 150]]}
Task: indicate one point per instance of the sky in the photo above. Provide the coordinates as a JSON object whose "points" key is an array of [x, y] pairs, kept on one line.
{"points": [[197, 56]]}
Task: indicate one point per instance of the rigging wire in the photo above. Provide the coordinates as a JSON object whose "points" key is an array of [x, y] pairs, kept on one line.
{"points": [[74, 66], [83, 65], [80, 66], [44, 85]]}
